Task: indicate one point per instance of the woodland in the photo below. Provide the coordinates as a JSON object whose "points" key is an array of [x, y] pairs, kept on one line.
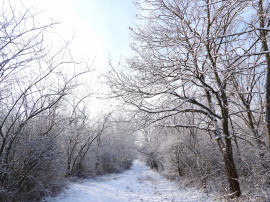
{"points": [[192, 102]]}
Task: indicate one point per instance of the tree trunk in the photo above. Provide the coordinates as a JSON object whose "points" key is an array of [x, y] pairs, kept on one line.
{"points": [[232, 175], [265, 48], [226, 152]]}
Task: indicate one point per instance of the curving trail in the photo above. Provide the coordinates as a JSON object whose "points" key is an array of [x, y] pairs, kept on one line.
{"points": [[137, 184]]}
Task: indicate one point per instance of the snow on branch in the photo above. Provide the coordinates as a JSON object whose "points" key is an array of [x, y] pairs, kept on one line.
{"points": [[189, 126]]}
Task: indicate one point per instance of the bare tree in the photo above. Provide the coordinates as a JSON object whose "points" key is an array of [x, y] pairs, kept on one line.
{"points": [[34, 85], [263, 10], [188, 57], [80, 143]]}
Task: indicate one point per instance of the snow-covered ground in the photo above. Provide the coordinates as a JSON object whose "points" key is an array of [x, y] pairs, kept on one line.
{"points": [[137, 184]]}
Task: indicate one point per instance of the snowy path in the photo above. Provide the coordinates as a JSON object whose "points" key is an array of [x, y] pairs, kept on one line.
{"points": [[137, 184]]}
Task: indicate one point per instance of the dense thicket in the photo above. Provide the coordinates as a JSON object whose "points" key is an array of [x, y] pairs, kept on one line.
{"points": [[46, 133], [200, 74]]}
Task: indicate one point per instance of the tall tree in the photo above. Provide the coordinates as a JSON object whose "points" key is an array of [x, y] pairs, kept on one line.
{"points": [[187, 54], [264, 24]]}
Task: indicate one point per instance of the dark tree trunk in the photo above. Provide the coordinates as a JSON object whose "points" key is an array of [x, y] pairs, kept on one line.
{"points": [[265, 48], [232, 175], [226, 149]]}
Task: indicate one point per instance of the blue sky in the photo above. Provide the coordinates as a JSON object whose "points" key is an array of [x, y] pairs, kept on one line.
{"points": [[98, 27], [110, 19]]}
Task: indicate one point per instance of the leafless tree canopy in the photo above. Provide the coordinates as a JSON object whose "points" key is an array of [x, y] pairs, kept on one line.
{"points": [[195, 92], [200, 73], [46, 133]]}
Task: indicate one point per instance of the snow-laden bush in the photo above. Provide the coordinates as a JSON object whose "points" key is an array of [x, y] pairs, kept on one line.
{"points": [[112, 152], [194, 161]]}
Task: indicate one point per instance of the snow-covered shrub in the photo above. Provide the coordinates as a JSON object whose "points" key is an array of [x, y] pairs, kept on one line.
{"points": [[35, 166], [113, 151]]}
